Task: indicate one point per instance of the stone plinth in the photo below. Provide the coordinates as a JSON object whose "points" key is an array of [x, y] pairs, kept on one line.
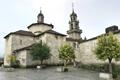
{"points": [[105, 76]]}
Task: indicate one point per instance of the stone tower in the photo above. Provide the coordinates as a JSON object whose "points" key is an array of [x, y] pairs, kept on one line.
{"points": [[40, 17], [74, 32]]}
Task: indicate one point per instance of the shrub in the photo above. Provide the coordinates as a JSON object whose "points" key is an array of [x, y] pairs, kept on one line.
{"points": [[102, 68], [16, 64]]}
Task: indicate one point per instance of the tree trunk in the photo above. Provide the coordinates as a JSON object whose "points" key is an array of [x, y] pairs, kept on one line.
{"points": [[65, 63], [74, 63], [110, 65], [41, 62]]}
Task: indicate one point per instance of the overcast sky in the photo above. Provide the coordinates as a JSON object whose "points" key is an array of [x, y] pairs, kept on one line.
{"points": [[94, 15]]}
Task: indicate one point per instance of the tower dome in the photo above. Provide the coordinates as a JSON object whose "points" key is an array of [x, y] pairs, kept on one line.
{"points": [[73, 16], [40, 17]]}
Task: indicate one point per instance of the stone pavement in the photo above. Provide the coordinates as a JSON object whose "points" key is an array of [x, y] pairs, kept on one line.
{"points": [[49, 74]]}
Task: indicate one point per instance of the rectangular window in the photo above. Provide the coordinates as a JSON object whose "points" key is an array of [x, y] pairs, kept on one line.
{"points": [[20, 42]]}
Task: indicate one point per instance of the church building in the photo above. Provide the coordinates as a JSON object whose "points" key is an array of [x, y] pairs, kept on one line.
{"points": [[19, 42]]}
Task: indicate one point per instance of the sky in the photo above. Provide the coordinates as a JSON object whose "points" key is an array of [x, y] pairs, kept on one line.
{"points": [[94, 15]]}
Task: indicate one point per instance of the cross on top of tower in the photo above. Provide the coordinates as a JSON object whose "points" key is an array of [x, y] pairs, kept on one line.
{"points": [[73, 13], [72, 6], [40, 10]]}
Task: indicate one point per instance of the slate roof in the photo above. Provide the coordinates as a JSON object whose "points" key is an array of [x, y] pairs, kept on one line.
{"points": [[24, 48], [53, 32], [21, 32], [50, 25], [115, 32], [28, 33]]}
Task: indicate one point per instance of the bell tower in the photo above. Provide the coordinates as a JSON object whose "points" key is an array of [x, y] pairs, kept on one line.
{"points": [[74, 32]]}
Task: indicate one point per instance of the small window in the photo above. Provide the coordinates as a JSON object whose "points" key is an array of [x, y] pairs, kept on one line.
{"points": [[56, 36], [20, 42], [75, 45]]}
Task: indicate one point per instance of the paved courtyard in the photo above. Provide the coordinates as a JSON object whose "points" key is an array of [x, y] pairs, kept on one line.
{"points": [[48, 74]]}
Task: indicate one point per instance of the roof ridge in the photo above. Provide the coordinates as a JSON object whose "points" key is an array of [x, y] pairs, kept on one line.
{"points": [[55, 32], [21, 32], [26, 47], [50, 25]]}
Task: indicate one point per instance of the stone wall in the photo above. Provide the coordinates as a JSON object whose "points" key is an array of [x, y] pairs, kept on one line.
{"points": [[14, 42], [41, 28], [22, 57], [74, 35], [20, 41], [86, 54], [26, 59], [83, 51], [8, 50], [54, 41], [118, 36]]}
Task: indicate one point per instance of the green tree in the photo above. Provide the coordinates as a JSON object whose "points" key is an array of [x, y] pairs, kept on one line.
{"points": [[40, 51], [13, 61], [66, 53], [108, 48]]}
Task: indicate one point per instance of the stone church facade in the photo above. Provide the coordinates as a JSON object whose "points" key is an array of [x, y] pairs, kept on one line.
{"points": [[19, 42]]}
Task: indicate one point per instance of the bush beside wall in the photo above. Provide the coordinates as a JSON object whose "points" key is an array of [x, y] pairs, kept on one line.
{"points": [[101, 68]]}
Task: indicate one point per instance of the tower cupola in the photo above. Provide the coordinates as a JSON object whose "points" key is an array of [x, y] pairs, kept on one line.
{"points": [[40, 17], [73, 16]]}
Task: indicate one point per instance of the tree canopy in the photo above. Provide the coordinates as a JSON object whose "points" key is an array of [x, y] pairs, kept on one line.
{"points": [[108, 47], [40, 51], [66, 52]]}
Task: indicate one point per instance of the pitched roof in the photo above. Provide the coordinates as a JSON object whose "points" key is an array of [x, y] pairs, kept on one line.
{"points": [[24, 48], [40, 24], [115, 32], [21, 32], [54, 32], [28, 33]]}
